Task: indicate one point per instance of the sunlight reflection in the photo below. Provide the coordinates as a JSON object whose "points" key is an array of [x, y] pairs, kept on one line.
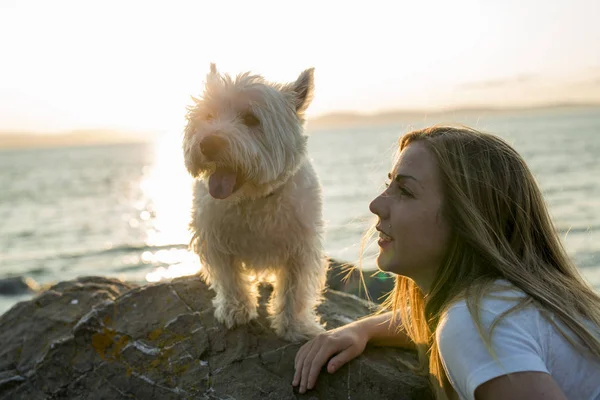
{"points": [[166, 211], [189, 266], [167, 186]]}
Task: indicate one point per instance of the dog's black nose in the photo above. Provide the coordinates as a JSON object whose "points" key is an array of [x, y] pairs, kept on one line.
{"points": [[211, 145]]}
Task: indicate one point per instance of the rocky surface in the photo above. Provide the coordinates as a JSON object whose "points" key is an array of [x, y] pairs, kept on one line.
{"points": [[97, 338], [18, 285], [373, 285]]}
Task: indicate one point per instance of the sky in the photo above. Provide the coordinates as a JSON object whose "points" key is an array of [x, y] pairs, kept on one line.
{"points": [[133, 65]]}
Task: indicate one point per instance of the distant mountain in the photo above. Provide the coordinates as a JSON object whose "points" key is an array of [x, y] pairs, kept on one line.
{"points": [[71, 138], [352, 119]]}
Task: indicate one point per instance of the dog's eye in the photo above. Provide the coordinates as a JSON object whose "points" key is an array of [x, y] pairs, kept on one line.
{"points": [[250, 120], [209, 117]]}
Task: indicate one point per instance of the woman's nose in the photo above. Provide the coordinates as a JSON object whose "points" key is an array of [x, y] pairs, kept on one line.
{"points": [[377, 206]]}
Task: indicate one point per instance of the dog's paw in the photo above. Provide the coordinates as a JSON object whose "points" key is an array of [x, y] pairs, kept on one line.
{"points": [[296, 331], [231, 315]]}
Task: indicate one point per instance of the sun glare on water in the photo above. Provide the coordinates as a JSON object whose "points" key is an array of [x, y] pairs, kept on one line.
{"points": [[167, 188], [189, 266]]}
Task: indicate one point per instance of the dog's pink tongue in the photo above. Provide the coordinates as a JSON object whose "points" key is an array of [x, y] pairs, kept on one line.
{"points": [[221, 183]]}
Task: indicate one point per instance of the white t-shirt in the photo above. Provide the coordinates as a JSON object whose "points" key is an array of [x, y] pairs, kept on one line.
{"points": [[523, 341]]}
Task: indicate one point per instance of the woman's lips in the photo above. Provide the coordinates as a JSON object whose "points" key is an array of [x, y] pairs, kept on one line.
{"points": [[384, 240]]}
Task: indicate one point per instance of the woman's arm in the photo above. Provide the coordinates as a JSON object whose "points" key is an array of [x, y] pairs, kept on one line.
{"points": [[381, 333], [344, 344], [520, 386]]}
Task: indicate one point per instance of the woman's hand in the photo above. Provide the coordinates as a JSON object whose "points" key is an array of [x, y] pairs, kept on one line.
{"points": [[346, 343]]}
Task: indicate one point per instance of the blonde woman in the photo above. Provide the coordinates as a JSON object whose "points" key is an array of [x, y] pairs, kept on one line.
{"points": [[484, 290]]}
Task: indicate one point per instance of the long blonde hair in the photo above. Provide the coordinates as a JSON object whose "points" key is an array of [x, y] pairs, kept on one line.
{"points": [[501, 229]]}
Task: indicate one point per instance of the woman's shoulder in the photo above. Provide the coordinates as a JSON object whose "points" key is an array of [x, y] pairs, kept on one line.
{"points": [[497, 298], [505, 309], [500, 299]]}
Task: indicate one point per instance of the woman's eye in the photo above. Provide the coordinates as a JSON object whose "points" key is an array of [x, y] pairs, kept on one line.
{"points": [[401, 189], [405, 192], [250, 120]]}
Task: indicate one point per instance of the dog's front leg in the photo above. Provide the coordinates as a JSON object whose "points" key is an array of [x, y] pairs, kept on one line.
{"points": [[297, 291], [236, 295]]}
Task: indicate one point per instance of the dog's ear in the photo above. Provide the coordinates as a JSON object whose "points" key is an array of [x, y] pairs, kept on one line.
{"points": [[213, 75], [303, 90]]}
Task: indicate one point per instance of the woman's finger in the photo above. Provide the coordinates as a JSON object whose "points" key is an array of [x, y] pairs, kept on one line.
{"points": [[314, 351], [299, 361], [341, 358], [318, 362]]}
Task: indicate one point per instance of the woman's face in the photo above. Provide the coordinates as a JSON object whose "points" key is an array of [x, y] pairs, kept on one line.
{"points": [[413, 236]]}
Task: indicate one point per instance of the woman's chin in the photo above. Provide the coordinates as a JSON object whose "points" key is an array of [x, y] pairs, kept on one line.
{"points": [[386, 263]]}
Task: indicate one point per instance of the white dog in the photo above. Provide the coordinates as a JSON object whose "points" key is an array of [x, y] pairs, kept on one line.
{"points": [[257, 200]]}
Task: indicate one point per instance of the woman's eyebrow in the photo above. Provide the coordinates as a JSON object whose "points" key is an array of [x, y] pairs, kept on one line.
{"points": [[403, 177], [399, 177]]}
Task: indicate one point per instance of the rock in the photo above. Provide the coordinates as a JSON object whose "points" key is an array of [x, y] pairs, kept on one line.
{"points": [[18, 285], [373, 286], [98, 338]]}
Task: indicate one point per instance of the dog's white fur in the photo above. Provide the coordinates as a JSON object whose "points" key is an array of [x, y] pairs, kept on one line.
{"points": [[272, 221]]}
